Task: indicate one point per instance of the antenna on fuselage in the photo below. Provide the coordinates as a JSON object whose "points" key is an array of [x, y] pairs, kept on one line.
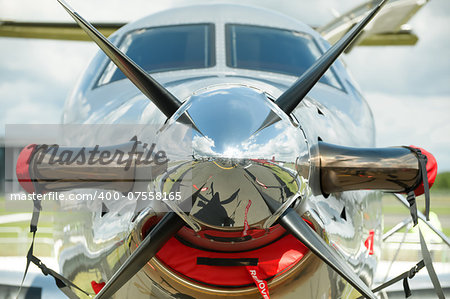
{"points": [[160, 96], [290, 99]]}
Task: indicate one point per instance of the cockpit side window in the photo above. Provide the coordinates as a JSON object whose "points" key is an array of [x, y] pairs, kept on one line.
{"points": [[166, 48], [273, 50]]}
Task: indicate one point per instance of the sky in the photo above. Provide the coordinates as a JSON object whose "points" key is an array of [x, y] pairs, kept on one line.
{"points": [[408, 88]]}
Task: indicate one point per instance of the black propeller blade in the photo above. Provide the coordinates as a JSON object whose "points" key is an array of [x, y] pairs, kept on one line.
{"points": [[295, 225], [167, 227], [295, 94], [161, 97]]}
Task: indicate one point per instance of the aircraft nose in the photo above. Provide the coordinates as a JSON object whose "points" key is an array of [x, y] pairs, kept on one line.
{"points": [[241, 122], [227, 117], [243, 147]]}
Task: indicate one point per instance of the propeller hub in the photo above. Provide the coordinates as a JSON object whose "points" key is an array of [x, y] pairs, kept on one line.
{"points": [[243, 146]]}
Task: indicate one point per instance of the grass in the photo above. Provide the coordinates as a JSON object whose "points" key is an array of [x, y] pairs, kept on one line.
{"points": [[440, 203], [393, 211], [440, 210], [15, 237], [396, 211]]}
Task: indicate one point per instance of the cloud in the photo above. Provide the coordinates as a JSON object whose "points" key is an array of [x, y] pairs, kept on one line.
{"points": [[413, 120], [58, 61], [203, 146], [36, 76], [22, 109], [422, 69]]}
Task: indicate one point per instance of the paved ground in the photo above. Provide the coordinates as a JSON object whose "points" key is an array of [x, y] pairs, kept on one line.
{"points": [[421, 286], [14, 229]]}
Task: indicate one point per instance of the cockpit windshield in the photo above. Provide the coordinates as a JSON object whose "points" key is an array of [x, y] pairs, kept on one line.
{"points": [[166, 48], [272, 50], [192, 46]]}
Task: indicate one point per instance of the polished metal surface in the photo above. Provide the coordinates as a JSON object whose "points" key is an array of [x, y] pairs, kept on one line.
{"points": [[292, 97], [389, 169], [240, 139], [165, 229], [294, 224], [116, 167], [160, 96], [55, 168]]}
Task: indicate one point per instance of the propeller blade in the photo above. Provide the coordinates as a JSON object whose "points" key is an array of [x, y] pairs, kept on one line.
{"points": [[295, 225], [161, 97], [343, 168], [271, 119], [295, 94], [166, 228]]}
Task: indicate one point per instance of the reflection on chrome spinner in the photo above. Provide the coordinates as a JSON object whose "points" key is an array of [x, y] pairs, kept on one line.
{"points": [[241, 142]]}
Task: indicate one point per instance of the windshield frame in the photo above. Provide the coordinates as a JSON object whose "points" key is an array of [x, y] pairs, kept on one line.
{"points": [[211, 45], [228, 55]]}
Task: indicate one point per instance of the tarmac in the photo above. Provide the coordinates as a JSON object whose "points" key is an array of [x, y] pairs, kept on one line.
{"points": [[11, 273]]}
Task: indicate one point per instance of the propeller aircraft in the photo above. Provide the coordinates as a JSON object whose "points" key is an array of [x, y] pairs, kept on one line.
{"points": [[281, 171]]}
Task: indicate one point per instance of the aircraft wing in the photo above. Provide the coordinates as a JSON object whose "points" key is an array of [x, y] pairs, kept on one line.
{"points": [[388, 28], [52, 30]]}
